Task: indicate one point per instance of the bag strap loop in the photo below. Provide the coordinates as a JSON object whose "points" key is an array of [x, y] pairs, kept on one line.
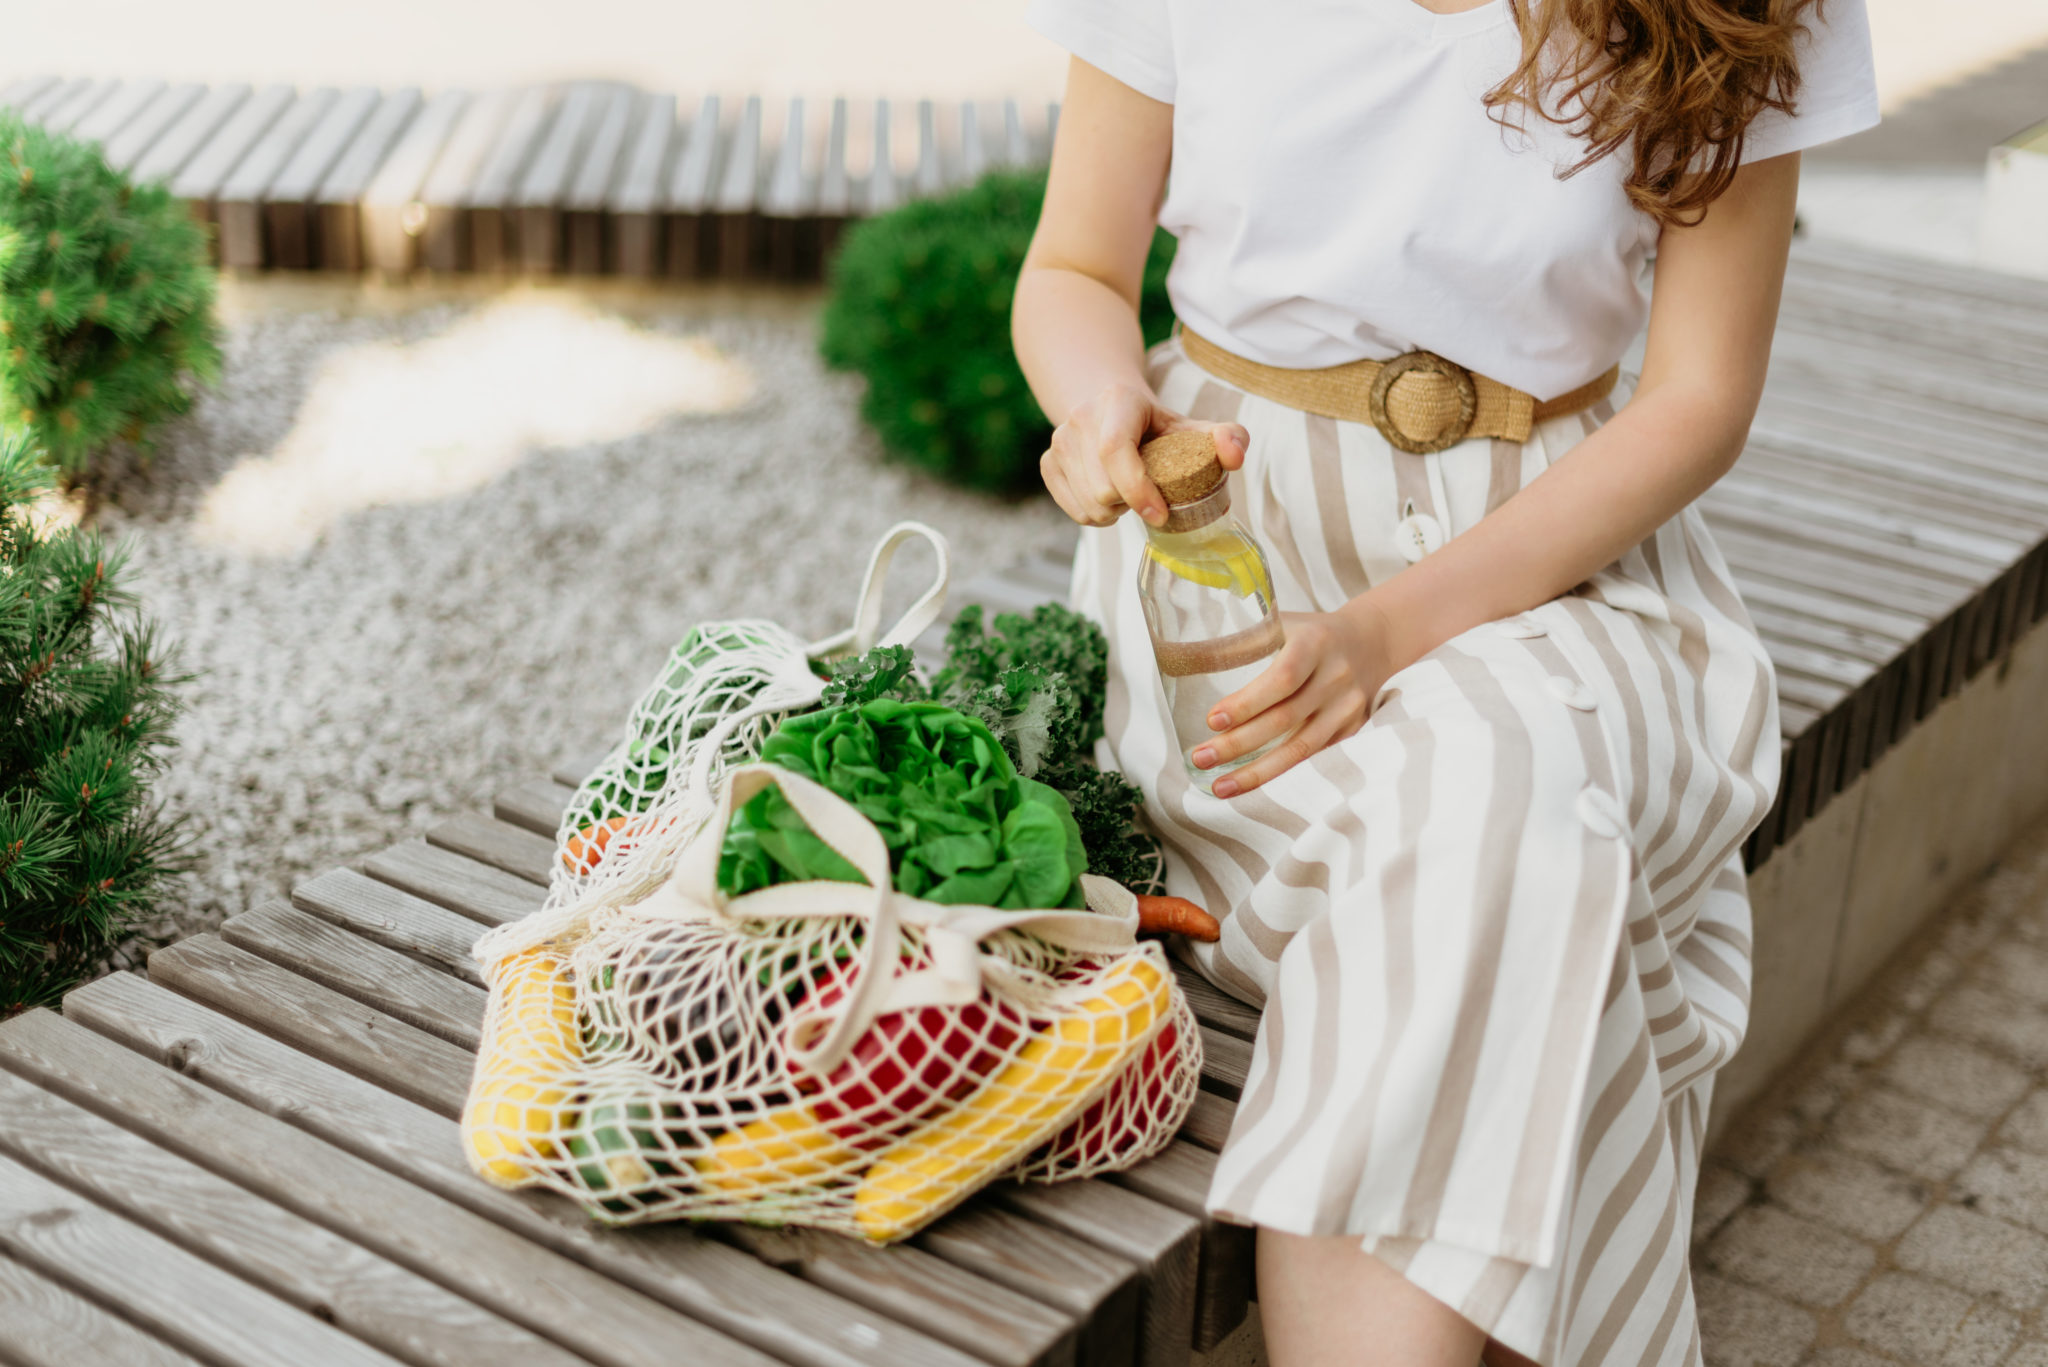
{"points": [[866, 632]]}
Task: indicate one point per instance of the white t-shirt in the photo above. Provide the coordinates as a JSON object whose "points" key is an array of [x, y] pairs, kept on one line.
{"points": [[1341, 192]]}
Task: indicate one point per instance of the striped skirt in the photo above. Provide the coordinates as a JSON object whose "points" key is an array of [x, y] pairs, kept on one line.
{"points": [[1501, 935]]}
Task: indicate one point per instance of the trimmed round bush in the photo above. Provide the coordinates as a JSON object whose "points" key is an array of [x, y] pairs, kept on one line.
{"points": [[106, 299], [920, 305]]}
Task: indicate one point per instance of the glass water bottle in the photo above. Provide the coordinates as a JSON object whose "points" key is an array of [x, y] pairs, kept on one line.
{"points": [[1207, 594]]}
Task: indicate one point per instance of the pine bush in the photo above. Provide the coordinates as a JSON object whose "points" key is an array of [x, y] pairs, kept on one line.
{"points": [[106, 299], [86, 704], [920, 305]]}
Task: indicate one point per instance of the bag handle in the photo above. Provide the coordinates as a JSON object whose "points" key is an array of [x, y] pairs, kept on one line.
{"points": [[866, 632]]}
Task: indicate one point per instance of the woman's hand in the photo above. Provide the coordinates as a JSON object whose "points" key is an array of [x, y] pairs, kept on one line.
{"points": [[1320, 686], [1092, 468]]}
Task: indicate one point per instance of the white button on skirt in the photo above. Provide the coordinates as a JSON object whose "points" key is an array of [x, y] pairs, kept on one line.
{"points": [[1501, 935]]}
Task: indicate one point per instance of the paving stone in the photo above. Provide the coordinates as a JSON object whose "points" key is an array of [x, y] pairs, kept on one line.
{"points": [[1722, 1191], [1744, 1327], [1978, 1253], [1876, 1035], [1908, 1136], [1989, 1017], [2020, 971], [1956, 1075], [1852, 1194], [1848, 1357], [1920, 983], [1758, 1139], [1818, 1095], [2029, 1355], [2008, 1183], [2027, 1126], [1791, 1256], [1925, 1322]]}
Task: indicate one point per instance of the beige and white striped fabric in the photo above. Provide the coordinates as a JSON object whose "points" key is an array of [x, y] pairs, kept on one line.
{"points": [[1501, 935]]}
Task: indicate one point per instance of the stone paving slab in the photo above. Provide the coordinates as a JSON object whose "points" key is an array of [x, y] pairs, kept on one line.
{"points": [[1888, 1202]]}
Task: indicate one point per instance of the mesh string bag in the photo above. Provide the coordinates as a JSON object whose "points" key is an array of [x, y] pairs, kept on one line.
{"points": [[830, 1054]]}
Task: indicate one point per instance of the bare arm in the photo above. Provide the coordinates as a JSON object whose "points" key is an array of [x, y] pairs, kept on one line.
{"points": [[1712, 313], [1075, 318]]}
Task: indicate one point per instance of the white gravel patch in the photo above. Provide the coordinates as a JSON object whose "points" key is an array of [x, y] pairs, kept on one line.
{"points": [[420, 655]]}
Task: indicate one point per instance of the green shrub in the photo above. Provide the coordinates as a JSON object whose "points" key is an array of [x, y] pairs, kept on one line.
{"points": [[85, 716], [920, 305], [106, 299]]}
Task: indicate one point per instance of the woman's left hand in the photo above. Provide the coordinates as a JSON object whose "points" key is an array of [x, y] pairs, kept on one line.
{"points": [[1320, 686]]}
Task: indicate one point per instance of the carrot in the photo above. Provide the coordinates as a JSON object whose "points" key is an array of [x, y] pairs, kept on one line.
{"points": [[1179, 916], [582, 851]]}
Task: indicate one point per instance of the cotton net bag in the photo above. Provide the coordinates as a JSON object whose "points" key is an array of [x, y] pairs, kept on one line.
{"points": [[824, 1053]]}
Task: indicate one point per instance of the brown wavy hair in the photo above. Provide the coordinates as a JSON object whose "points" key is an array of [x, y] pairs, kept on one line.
{"points": [[1675, 82]]}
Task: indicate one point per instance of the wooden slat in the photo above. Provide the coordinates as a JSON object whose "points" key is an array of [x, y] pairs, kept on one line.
{"points": [[290, 204], [884, 186], [392, 214], [22, 94], [1181, 1176], [1017, 149], [445, 193], [930, 176], [202, 176], [736, 196], [571, 770], [690, 247], [789, 201], [168, 156], [536, 805], [493, 220], [1216, 1008], [714, 1283], [601, 165], [352, 1158], [1226, 1062], [449, 880], [174, 1294], [337, 201], [1097, 1289], [50, 1325], [124, 148], [116, 110], [38, 109], [397, 920], [517, 852], [310, 1268], [438, 1003], [835, 182], [636, 201], [1208, 1122], [542, 190], [239, 201], [62, 115], [974, 159]]}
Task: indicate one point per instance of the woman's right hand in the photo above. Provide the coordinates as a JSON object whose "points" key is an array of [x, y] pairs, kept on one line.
{"points": [[1092, 468]]}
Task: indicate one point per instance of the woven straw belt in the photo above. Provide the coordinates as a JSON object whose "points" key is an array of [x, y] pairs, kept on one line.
{"points": [[1419, 401]]}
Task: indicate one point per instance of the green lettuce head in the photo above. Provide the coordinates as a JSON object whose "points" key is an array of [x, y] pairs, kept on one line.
{"points": [[962, 826]]}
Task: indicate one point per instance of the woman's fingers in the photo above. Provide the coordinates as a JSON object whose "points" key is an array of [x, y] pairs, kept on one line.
{"points": [[1241, 740], [1124, 469], [1233, 440], [1280, 681], [1318, 731], [1062, 493]]}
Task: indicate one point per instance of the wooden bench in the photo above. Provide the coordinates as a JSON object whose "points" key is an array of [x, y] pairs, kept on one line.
{"points": [[250, 1155], [586, 178]]}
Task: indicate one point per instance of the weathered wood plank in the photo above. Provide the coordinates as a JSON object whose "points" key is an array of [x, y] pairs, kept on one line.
{"points": [[601, 164], [116, 110], [446, 879], [930, 176], [290, 202], [517, 852], [953, 1305], [351, 1159], [174, 1294], [38, 109], [392, 213], [444, 196], [884, 186], [316, 1020], [337, 202], [734, 201], [493, 220], [573, 769], [789, 200], [1216, 1008], [294, 1259], [836, 189], [543, 187], [168, 155], [65, 114], [239, 202], [536, 805], [128, 145], [714, 1283], [1097, 1289], [423, 997], [50, 1325], [200, 179], [397, 920], [22, 94], [688, 195], [1208, 1122], [1226, 1062], [635, 202], [1180, 1176]]}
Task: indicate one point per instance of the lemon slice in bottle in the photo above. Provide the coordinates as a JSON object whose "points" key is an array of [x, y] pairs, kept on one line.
{"points": [[1207, 577]]}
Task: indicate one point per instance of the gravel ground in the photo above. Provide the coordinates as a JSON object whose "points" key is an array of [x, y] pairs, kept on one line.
{"points": [[419, 655]]}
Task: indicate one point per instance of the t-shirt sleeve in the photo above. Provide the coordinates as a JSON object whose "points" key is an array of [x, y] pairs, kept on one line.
{"points": [[1129, 39], [1837, 85]]}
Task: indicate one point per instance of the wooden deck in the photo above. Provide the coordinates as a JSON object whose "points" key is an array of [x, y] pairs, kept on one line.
{"points": [[585, 177], [250, 1155]]}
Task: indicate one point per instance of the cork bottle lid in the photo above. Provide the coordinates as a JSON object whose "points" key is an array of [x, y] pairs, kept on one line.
{"points": [[1184, 465]]}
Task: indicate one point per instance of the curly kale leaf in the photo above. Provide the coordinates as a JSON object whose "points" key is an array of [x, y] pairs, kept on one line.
{"points": [[1106, 807], [1053, 640], [1033, 712], [884, 672]]}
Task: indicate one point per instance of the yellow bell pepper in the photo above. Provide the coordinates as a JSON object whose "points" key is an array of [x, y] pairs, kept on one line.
{"points": [[516, 1102]]}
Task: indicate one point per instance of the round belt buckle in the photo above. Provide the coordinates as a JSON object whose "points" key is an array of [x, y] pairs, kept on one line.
{"points": [[1426, 363]]}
